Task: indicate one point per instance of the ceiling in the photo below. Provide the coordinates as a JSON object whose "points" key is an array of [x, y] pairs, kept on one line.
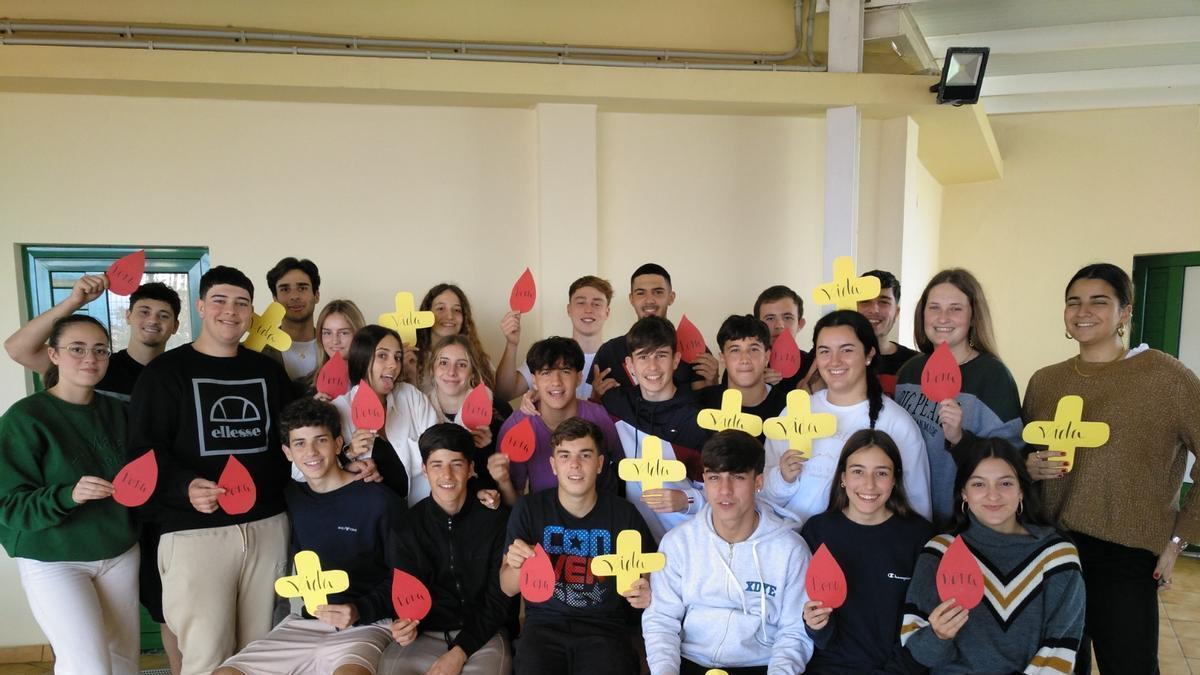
{"points": [[1073, 54]]}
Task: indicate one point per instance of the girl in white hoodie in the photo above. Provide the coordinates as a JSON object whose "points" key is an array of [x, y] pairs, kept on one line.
{"points": [[732, 592]]}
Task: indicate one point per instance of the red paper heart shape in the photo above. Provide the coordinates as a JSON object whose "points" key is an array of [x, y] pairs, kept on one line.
{"points": [[125, 275], [959, 575], [941, 378], [366, 410], [410, 597], [135, 482], [785, 354], [825, 580], [519, 441], [240, 492], [688, 340], [477, 408], [524, 293], [334, 378], [537, 577]]}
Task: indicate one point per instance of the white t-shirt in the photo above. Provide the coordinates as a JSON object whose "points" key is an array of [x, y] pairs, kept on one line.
{"points": [[301, 359], [583, 391], [809, 494]]}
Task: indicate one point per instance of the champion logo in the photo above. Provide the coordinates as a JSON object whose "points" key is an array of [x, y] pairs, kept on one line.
{"points": [[893, 575]]}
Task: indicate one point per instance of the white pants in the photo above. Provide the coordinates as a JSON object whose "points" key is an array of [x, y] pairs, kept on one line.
{"points": [[88, 611]]}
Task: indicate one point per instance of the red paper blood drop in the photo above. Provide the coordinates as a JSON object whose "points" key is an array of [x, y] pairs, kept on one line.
{"points": [[688, 340], [519, 441], [941, 379], [135, 483], [366, 410], [239, 488], [477, 408], [537, 576], [959, 576], [334, 378], [125, 275], [410, 597], [785, 354], [825, 580], [524, 292]]}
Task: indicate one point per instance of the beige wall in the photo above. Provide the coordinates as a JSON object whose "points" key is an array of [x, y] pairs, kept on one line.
{"points": [[1078, 188]]}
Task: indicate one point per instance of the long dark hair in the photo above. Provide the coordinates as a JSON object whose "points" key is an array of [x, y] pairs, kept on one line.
{"points": [[897, 502], [51, 377], [362, 350], [970, 455], [866, 335]]}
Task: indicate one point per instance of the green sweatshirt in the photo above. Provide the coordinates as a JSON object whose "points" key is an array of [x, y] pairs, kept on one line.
{"points": [[46, 445]]}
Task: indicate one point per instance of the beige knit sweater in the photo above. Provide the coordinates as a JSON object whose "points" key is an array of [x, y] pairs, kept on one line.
{"points": [[1127, 490]]}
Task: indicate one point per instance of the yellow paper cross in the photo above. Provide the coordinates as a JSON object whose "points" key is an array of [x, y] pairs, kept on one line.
{"points": [[628, 563], [801, 425], [846, 290], [311, 582], [406, 320], [651, 470], [265, 330], [1067, 431], [715, 671], [730, 416]]}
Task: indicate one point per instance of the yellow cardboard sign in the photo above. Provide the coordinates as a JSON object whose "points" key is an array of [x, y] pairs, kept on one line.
{"points": [[311, 582], [651, 470], [406, 320], [801, 425], [1067, 431], [628, 563], [265, 330], [846, 290], [730, 416]]}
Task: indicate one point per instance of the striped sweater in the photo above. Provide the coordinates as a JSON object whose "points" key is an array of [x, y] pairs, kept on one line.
{"points": [[1031, 617]]}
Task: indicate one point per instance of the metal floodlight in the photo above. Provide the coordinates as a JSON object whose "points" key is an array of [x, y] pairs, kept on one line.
{"points": [[962, 75]]}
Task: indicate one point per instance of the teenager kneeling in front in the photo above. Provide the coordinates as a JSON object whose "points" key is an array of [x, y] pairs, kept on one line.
{"points": [[732, 593], [346, 522]]}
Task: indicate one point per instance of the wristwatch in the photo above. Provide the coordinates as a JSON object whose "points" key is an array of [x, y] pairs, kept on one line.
{"points": [[1180, 543]]}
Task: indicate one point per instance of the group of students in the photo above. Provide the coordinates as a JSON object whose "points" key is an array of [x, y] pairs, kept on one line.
{"points": [[1065, 555]]}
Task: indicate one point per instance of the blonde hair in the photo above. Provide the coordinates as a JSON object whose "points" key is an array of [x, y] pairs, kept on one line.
{"points": [[346, 308]]}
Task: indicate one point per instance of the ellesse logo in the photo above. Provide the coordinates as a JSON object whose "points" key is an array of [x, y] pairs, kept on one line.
{"points": [[233, 416]]}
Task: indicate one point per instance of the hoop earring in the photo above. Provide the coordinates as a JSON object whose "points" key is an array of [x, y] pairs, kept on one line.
{"points": [[842, 484], [1068, 334], [964, 508], [1120, 330], [1020, 507]]}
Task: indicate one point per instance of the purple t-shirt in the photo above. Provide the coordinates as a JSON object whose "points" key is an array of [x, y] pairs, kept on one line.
{"points": [[537, 469]]}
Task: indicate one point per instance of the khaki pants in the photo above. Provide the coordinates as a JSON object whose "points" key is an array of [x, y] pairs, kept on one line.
{"points": [[493, 658], [219, 587]]}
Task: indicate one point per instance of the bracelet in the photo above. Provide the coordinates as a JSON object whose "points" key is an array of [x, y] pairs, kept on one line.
{"points": [[1181, 544]]}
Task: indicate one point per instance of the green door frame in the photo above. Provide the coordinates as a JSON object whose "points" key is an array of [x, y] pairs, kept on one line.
{"points": [[1165, 273]]}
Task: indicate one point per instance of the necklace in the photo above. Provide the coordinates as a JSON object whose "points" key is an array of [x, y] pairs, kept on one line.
{"points": [[1099, 367]]}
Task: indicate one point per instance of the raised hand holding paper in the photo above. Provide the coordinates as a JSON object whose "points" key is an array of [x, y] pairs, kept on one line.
{"points": [[240, 492], [825, 580], [800, 426], [688, 340], [785, 354], [311, 582], [524, 293], [959, 575], [519, 442], [1067, 431], [334, 378], [628, 563], [265, 330], [410, 597], [537, 577], [651, 470], [477, 408], [135, 483], [125, 275], [366, 410], [846, 290], [730, 416], [406, 320], [941, 378]]}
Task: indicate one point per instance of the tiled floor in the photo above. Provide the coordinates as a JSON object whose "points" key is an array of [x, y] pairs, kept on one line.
{"points": [[1178, 629]]}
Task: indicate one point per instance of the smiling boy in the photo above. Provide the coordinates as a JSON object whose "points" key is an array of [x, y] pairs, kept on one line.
{"points": [[296, 284]]}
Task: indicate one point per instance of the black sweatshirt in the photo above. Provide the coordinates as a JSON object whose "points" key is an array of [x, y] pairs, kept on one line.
{"points": [[196, 411], [458, 559], [348, 529], [673, 420]]}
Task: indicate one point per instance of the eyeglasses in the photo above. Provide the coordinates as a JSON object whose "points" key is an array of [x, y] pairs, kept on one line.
{"points": [[80, 352]]}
